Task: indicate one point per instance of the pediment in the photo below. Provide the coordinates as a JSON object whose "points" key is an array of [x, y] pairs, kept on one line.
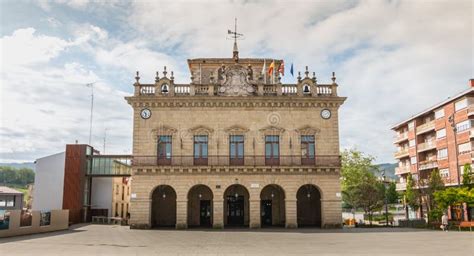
{"points": [[201, 130], [308, 130], [164, 130], [272, 130], [236, 129]]}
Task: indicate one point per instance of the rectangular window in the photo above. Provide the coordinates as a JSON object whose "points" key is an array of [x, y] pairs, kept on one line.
{"points": [[444, 173], [441, 133], [439, 113], [3, 202], [411, 143], [272, 150], [164, 150], [464, 148], [236, 150], [463, 126], [413, 160], [411, 125], [11, 201], [460, 105], [442, 153], [307, 150], [200, 149]]}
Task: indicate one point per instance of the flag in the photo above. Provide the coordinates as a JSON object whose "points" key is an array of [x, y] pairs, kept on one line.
{"points": [[270, 69], [291, 70], [281, 69], [263, 71]]}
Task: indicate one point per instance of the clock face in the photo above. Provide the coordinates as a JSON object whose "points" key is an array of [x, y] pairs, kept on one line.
{"points": [[145, 113], [326, 113]]}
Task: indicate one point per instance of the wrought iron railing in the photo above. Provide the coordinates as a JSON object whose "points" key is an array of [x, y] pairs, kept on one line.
{"points": [[212, 160]]}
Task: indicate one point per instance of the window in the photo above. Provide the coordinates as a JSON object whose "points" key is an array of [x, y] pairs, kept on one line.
{"points": [[444, 173], [463, 126], [441, 133], [413, 160], [164, 150], [307, 149], [442, 153], [236, 149], [460, 105], [439, 113], [411, 143], [45, 218], [411, 126], [464, 148], [272, 150], [200, 149], [117, 190]]}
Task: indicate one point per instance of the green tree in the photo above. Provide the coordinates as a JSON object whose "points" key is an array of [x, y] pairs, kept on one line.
{"points": [[391, 193], [16, 177], [370, 197], [466, 176], [411, 194], [435, 183]]}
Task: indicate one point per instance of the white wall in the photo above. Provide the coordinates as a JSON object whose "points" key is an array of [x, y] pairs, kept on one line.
{"points": [[101, 194], [49, 183]]}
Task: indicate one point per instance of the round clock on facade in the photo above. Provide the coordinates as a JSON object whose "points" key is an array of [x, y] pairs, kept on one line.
{"points": [[145, 113], [326, 113]]}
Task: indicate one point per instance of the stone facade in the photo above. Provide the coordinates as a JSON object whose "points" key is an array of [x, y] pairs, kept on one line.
{"points": [[229, 98]]}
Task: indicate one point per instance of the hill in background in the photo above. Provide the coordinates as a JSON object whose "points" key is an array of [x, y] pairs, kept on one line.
{"points": [[29, 165]]}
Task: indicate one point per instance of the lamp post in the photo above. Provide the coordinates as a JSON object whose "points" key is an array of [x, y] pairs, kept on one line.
{"points": [[385, 198], [455, 130]]}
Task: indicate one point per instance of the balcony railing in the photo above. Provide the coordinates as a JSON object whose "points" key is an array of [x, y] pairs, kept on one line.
{"points": [[400, 186], [425, 127], [401, 153], [426, 145], [400, 137], [402, 170], [430, 164], [286, 160]]}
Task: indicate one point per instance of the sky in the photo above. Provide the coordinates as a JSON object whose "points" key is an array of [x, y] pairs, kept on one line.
{"points": [[392, 60]]}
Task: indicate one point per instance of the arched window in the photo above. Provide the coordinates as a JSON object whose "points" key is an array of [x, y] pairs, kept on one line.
{"points": [[164, 89], [306, 89]]}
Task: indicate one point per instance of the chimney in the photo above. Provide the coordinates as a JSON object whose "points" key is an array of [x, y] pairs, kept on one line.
{"points": [[471, 82]]}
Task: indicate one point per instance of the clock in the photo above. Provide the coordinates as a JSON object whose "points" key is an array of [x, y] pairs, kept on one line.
{"points": [[326, 113], [145, 113]]}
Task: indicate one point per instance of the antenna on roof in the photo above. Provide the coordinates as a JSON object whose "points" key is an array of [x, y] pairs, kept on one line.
{"points": [[234, 35]]}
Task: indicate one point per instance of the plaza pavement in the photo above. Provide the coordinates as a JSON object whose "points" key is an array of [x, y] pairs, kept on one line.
{"points": [[120, 240]]}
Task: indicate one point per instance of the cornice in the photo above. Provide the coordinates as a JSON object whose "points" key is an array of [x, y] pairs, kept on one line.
{"points": [[216, 170]]}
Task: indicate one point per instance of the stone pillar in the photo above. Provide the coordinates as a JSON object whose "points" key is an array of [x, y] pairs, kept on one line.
{"points": [[331, 213], [465, 215], [140, 213], [254, 210], [218, 213], [291, 213], [181, 214]]}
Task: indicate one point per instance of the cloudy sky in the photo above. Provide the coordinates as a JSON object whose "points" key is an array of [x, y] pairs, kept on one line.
{"points": [[392, 59]]}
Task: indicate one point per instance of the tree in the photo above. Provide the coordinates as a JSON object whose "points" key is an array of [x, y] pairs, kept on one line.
{"points": [[16, 177], [391, 193], [466, 176], [453, 196], [411, 195], [435, 183], [370, 197]]}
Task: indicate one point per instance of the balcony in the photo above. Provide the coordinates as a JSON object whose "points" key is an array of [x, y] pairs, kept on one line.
{"points": [[402, 153], [400, 137], [428, 145], [426, 165], [402, 170], [189, 161], [426, 127], [470, 110], [400, 186]]}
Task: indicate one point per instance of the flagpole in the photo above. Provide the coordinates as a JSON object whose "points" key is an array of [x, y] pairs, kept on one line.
{"points": [[264, 72]]}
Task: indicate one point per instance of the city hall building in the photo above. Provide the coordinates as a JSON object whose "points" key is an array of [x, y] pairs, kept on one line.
{"points": [[235, 147]]}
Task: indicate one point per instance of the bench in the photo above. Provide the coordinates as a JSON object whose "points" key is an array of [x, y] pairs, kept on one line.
{"points": [[466, 224]]}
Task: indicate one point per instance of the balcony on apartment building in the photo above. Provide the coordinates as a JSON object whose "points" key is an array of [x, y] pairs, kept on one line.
{"points": [[399, 137], [400, 186], [402, 169], [470, 110], [403, 152], [428, 164], [427, 145], [426, 127]]}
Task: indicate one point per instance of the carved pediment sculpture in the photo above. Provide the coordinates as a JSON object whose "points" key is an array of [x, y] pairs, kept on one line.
{"points": [[236, 129], [163, 130], [235, 82], [308, 130], [201, 130]]}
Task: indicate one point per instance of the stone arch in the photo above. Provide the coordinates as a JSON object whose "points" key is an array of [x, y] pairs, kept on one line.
{"points": [[272, 205], [163, 206], [200, 206], [236, 206], [308, 206]]}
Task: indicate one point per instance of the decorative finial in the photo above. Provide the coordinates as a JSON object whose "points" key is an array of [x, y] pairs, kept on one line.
{"points": [[314, 77], [333, 77], [235, 35], [137, 78], [299, 76], [157, 77], [306, 72], [172, 75], [164, 72]]}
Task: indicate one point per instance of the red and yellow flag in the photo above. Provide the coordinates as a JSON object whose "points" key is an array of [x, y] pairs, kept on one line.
{"points": [[281, 70], [270, 69]]}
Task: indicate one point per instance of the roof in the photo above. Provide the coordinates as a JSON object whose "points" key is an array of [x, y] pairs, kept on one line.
{"points": [[448, 100], [7, 190]]}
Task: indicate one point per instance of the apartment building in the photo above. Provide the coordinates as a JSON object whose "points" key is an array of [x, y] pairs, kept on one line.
{"points": [[439, 138]]}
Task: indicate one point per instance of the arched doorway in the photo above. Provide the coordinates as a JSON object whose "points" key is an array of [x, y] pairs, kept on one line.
{"points": [[200, 206], [236, 206], [272, 206], [308, 206], [163, 207]]}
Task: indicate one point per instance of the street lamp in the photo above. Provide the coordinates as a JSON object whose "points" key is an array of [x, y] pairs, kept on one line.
{"points": [[455, 130], [385, 198]]}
